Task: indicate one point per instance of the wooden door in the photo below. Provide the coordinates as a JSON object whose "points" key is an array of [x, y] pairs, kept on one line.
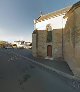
{"points": [[49, 51]]}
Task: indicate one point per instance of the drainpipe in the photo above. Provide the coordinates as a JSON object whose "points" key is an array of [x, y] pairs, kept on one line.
{"points": [[62, 40]]}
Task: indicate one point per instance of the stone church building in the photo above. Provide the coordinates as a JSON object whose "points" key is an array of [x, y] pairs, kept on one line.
{"points": [[57, 35]]}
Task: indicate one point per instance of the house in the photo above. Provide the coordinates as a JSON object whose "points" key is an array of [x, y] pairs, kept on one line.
{"points": [[47, 35], [22, 44], [19, 43], [28, 45]]}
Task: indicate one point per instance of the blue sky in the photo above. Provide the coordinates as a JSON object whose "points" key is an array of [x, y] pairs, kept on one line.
{"points": [[16, 16]]}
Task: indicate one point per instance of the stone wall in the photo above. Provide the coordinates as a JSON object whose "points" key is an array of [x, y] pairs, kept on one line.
{"points": [[34, 49], [72, 41], [57, 43], [41, 43]]}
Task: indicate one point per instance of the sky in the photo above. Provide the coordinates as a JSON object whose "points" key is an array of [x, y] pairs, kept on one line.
{"points": [[16, 16]]}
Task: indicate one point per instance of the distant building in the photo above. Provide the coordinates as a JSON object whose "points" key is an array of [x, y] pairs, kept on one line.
{"points": [[28, 45], [22, 44], [19, 43]]}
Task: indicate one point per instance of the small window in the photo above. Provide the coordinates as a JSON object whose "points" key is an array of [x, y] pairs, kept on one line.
{"points": [[49, 36]]}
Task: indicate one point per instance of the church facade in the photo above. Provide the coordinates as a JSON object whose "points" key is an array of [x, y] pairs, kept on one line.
{"points": [[47, 35]]}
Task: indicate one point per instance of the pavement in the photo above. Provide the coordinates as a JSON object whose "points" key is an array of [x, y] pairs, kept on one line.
{"points": [[57, 64]]}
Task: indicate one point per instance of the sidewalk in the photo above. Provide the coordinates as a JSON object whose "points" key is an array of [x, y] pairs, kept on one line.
{"points": [[57, 64]]}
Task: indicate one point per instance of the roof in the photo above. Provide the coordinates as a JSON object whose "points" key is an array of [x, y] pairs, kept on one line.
{"points": [[52, 14], [19, 41]]}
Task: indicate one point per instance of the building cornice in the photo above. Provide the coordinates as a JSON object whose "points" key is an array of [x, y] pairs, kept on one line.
{"points": [[53, 14]]}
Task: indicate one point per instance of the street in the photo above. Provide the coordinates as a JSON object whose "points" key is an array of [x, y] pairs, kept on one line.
{"points": [[18, 74]]}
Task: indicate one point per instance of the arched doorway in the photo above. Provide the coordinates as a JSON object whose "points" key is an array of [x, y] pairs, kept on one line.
{"points": [[49, 51]]}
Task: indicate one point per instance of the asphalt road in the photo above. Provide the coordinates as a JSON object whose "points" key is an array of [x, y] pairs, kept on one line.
{"points": [[20, 75]]}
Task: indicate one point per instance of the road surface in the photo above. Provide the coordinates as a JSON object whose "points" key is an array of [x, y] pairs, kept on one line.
{"points": [[18, 74]]}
